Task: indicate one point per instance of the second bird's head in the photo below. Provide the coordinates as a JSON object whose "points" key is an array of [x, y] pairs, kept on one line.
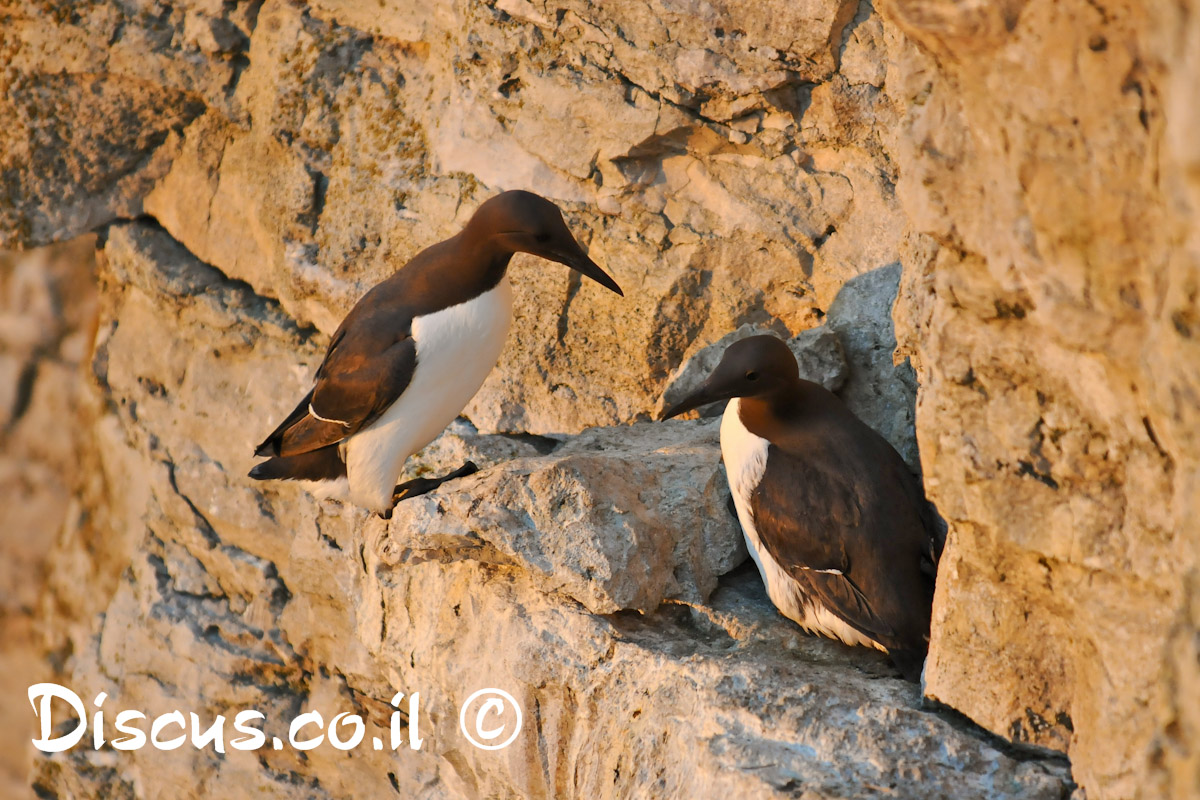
{"points": [[752, 367], [523, 222]]}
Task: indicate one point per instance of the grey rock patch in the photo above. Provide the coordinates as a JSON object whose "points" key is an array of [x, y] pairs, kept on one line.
{"points": [[881, 393]]}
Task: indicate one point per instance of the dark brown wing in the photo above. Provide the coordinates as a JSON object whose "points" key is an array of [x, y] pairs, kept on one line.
{"points": [[354, 387], [369, 363], [837, 517]]}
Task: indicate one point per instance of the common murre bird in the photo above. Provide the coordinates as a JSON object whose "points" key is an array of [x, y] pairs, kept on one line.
{"points": [[412, 353], [838, 526]]}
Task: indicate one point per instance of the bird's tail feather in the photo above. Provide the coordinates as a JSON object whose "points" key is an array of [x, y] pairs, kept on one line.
{"points": [[324, 464]]}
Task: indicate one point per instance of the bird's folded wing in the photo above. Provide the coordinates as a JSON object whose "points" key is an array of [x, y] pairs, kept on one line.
{"points": [[841, 595], [355, 384], [805, 513]]}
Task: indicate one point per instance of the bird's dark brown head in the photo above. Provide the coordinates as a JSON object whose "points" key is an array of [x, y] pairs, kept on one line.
{"points": [[752, 367], [523, 222]]}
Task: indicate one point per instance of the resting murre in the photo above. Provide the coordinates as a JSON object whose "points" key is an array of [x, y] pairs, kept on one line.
{"points": [[412, 353], [838, 526]]}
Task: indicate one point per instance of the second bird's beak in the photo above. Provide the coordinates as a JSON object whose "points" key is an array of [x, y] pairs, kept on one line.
{"points": [[702, 396]]}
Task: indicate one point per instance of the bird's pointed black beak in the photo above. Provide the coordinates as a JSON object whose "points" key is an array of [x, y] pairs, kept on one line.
{"points": [[702, 396], [584, 265]]}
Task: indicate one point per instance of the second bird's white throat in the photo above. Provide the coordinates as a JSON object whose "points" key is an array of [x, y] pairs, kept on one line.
{"points": [[456, 349]]}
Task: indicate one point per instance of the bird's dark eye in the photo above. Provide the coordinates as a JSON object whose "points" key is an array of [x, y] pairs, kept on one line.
{"points": [[542, 237], [751, 375]]}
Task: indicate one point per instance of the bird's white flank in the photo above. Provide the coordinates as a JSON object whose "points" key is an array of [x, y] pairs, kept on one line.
{"points": [[456, 349]]}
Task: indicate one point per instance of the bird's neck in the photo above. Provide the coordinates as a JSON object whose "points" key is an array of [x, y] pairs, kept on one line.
{"points": [[762, 413], [497, 265], [490, 261], [781, 406]]}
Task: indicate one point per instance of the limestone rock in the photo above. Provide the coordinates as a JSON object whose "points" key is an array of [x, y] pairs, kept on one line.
{"points": [[95, 98], [47, 307], [462, 442], [616, 519], [1031, 167], [322, 145], [1045, 304]]}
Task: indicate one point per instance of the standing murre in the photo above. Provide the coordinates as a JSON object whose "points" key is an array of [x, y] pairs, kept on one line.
{"points": [[838, 526], [412, 353]]}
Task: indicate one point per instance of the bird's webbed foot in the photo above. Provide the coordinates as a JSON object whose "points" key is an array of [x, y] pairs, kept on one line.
{"points": [[420, 486]]}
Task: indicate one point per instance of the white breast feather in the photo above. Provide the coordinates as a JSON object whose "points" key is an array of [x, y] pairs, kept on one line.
{"points": [[745, 457], [456, 349]]}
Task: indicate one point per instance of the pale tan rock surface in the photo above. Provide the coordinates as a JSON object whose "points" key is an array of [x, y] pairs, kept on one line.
{"points": [[1050, 300], [47, 313], [594, 520], [724, 172], [1021, 176]]}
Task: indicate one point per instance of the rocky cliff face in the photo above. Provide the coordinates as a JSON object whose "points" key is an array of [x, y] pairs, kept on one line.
{"points": [[47, 313], [253, 167], [1050, 302]]}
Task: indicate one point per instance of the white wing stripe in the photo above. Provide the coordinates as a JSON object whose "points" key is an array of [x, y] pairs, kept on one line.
{"points": [[314, 413]]}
